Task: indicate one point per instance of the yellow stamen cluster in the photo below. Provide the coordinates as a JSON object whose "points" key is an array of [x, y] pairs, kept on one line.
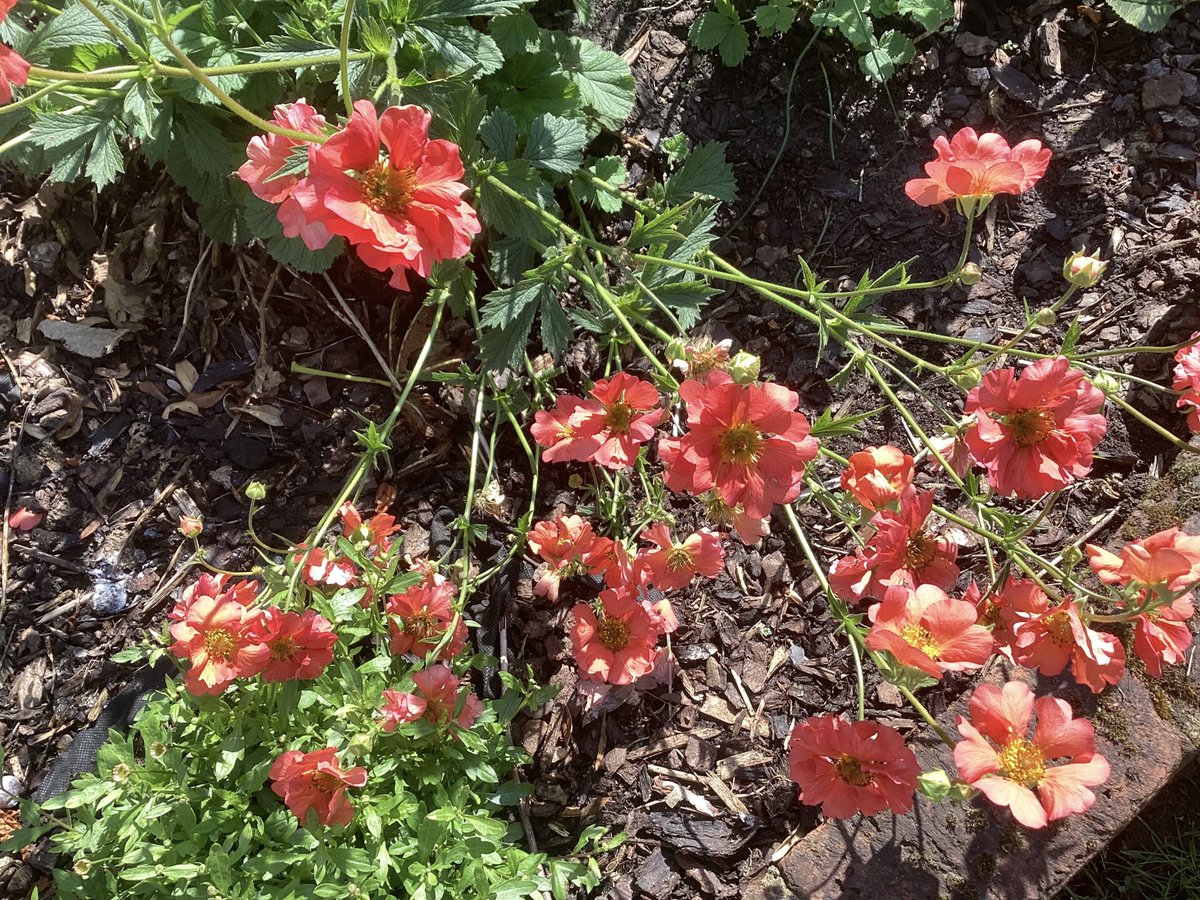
{"points": [[851, 771], [1021, 761], [1029, 427], [740, 444], [219, 643], [613, 633], [388, 190], [921, 550], [919, 637]]}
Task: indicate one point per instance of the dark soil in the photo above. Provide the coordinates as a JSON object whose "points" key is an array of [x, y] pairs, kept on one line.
{"points": [[693, 769]]}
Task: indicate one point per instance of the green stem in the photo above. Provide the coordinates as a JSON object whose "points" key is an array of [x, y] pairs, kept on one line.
{"points": [[32, 98], [121, 37], [927, 716], [344, 57], [1153, 426], [107, 76]]}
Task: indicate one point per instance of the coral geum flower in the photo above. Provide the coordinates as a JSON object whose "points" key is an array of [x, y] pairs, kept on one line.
{"points": [[560, 430], [1167, 561], [373, 533], [878, 476], [319, 567], [402, 212], [852, 767], [436, 698], [1058, 636], [216, 630], [954, 451], [629, 411], [615, 642], [421, 615], [746, 443], [931, 631], [1035, 432], [1018, 601], [974, 168], [13, 70], [1187, 381], [299, 645], [569, 547], [998, 758], [673, 564], [315, 781]]}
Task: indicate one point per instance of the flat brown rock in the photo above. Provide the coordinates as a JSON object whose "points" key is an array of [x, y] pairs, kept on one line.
{"points": [[976, 851]]}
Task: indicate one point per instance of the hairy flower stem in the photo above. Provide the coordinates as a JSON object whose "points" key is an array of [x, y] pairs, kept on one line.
{"points": [[1030, 324], [344, 57]]}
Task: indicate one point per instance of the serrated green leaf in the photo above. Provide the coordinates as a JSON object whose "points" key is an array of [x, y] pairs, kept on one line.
{"points": [[555, 144], [75, 26], [930, 14], [511, 258], [556, 328], [1146, 15], [499, 133], [53, 130], [516, 34], [295, 253], [603, 79], [104, 161], [775, 17], [140, 107], [530, 84], [894, 49], [509, 215], [462, 47], [461, 9], [721, 28], [611, 171], [706, 173], [290, 47], [508, 314], [847, 17]]}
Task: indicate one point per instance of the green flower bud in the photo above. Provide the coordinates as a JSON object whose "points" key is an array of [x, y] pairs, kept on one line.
{"points": [[1045, 317], [1071, 557], [256, 490], [1107, 383], [744, 367], [82, 866], [1083, 269], [965, 379], [120, 773], [360, 745], [970, 274], [934, 784]]}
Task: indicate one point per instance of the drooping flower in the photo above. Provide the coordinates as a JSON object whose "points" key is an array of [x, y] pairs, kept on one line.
{"points": [[1058, 636], [268, 154], [438, 696], [316, 781], [878, 476], [420, 616], [614, 642], [13, 70], [1187, 381], [1168, 560], [977, 167], [320, 567], [746, 443], [629, 412], [569, 547], [699, 357], [560, 432], [299, 645], [1035, 432], [214, 627], [931, 631], [191, 526], [673, 564], [1163, 636], [403, 211], [954, 451], [748, 528], [998, 758], [852, 767]]}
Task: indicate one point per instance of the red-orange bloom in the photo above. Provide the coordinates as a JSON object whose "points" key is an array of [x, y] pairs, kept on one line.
{"points": [[25, 519], [403, 211], [972, 165], [1035, 433], [319, 567], [439, 696], [616, 641], [13, 70], [878, 476], [852, 767], [373, 534], [674, 563], [1017, 601], [1168, 560], [629, 412], [299, 645], [569, 547], [560, 430], [1163, 636], [998, 758], [746, 443], [1187, 381], [419, 617], [931, 631], [216, 630], [1058, 636], [315, 781]]}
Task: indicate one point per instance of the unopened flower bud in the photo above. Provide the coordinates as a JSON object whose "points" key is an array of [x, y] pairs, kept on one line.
{"points": [[970, 274], [934, 784], [1045, 317], [359, 745], [1106, 383], [1071, 556], [575, 481], [82, 866], [120, 773], [158, 750], [255, 490], [675, 350], [965, 379], [744, 367], [191, 526], [1083, 269]]}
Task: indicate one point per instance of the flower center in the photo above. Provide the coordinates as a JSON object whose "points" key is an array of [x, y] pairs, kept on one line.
{"points": [[1029, 427], [422, 625], [324, 782], [1021, 761], [678, 558], [613, 634], [851, 771], [386, 189], [219, 643], [919, 637], [283, 648], [618, 417], [1058, 628], [921, 550], [740, 444]]}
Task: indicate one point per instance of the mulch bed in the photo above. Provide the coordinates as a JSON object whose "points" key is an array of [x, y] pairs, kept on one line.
{"points": [[694, 769]]}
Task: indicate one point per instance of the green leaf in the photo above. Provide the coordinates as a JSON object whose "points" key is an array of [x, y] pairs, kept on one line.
{"points": [[219, 868], [826, 425], [461, 9], [555, 144], [75, 26], [848, 18], [140, 107], [104, 161], [531, 84], [54, 130], [516, 34], [894, 49], [462, 47], [775, 17], [706, 172], [507, 214], [499, 132], [556, 327], [721, 28], [930, 14], [509, 314], [610, 170], [1146, 15], [603, 79]]}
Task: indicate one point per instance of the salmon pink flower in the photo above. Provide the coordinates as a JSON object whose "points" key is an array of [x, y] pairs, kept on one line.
{"points": [[746, 443], [399, 708], [299, 645], [13, 70], [1163, 636], [319, 567], [1017, 601], [878, 476], [629, 412], [315, 781], [927, 629], [1035, 432], [569, 547], [420, 616], [998, 758], [1058, 636], [215, 629], [25, 519], [748, 528], [1187, 381], [560, 430], [615, 641], [973, 168], [674, 563], [852, 767], [1167, 561], [403, 211], [954, 451], [372, 534], [438, 697], [191, 526]]}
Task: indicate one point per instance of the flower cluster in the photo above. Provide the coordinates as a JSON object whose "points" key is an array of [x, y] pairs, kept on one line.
{"points": [[14, 69], [225, 638], [379, 182], [608, 429]]}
